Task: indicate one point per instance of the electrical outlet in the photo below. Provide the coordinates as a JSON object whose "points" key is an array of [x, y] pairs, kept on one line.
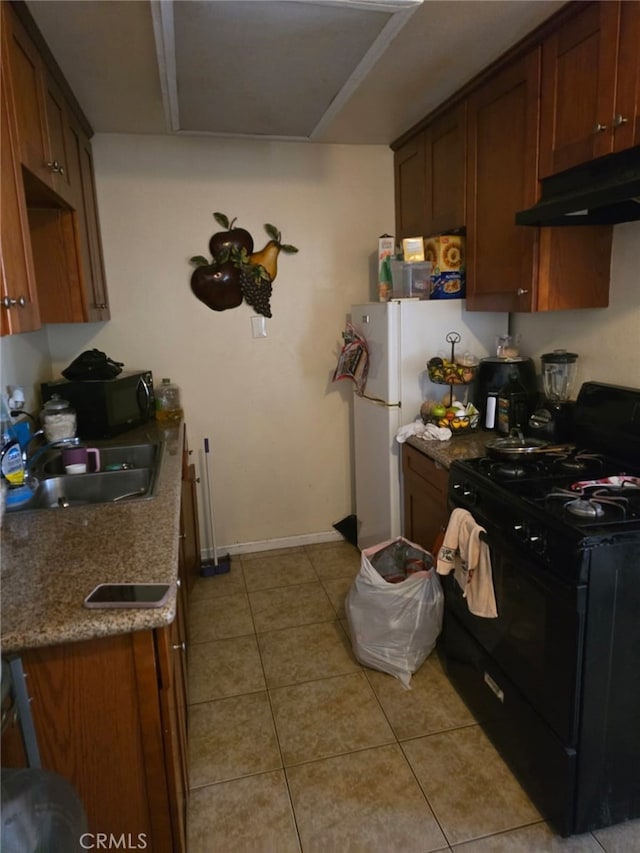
{"points": [[259, 327]]}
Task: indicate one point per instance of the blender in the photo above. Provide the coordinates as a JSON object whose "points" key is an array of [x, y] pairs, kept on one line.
{"points": [[554, 419]]}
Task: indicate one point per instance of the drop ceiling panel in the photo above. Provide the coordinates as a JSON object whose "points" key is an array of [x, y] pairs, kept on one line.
{"points": [[266, 68]]}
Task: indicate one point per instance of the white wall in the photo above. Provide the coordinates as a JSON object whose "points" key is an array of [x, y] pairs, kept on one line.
{"points": [[607, 340], [279, 429]]}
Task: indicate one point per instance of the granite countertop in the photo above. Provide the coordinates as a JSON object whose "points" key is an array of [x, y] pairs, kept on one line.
{"points": [[458, 447], [52, 559]]}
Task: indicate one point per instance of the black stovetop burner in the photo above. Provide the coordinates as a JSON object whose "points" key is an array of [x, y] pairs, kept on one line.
{"points": [[578, 487]]}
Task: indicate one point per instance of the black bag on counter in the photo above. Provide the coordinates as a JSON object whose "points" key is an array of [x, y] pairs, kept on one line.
{"points": [[93, 364]]}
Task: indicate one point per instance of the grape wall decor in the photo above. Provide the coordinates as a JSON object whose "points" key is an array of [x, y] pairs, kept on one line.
{"points": [[236, 272]]}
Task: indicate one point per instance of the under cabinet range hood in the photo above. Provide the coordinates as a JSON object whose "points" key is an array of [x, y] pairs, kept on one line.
{"points": [[605, 191]]}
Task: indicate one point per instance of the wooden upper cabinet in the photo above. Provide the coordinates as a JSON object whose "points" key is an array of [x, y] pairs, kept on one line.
{"points": [[501, 179], [40, 112], [430, 177], [590, 85], [19, 309], [410, 198], [512, 267], [92, 275], [445, 147]]}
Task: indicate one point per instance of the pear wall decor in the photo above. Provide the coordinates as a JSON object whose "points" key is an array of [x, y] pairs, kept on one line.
{"points": [[235, 272]]}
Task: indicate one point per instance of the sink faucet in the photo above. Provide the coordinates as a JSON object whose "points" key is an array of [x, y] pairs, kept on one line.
{"points": [[70, 441]]}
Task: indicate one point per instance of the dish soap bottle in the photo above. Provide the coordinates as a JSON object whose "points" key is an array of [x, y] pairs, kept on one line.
{"points": [[168, 408], [11, 462], [511, 411]]}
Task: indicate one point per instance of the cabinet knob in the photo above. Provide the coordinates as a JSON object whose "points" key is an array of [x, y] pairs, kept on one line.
{"points": [[599, 128], [56, 167], [179, 647], [9, 301], [619, 120], [521, 291]]}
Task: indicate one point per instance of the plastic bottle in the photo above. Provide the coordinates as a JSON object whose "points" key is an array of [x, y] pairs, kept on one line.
{"points": [[168, 408], [11, 462]]}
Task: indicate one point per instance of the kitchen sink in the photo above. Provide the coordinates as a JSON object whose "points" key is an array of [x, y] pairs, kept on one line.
{"points": [[131, 475], [112, 458]]}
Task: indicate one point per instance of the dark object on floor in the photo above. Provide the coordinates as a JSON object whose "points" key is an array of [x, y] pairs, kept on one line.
{"points": [[40, 811], [219, 566], [348, 528]]}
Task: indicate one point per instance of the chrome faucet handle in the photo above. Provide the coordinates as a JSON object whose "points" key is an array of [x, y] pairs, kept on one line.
{"points": [[69, 441]]}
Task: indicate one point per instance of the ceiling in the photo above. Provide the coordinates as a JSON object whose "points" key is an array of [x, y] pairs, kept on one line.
{"points": [[340, 71]]}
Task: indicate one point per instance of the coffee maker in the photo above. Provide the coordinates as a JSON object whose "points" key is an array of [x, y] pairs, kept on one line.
{"points": [[553, 420]]}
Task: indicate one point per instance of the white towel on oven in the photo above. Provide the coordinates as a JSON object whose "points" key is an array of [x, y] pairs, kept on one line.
{"points": [[466, 554]]}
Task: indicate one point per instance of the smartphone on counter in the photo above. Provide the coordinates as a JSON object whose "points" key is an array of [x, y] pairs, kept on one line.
{"points": [[107, 595]]}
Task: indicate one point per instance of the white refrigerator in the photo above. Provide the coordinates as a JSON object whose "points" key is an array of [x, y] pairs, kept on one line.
{"points": [[402, 335]]}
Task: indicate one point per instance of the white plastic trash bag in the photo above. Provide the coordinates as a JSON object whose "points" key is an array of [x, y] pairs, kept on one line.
{"points": [[394, 624]]}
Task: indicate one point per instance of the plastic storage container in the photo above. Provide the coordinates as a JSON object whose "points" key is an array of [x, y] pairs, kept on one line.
{"points": [[411, 280], [168, 406], [58, 419]]}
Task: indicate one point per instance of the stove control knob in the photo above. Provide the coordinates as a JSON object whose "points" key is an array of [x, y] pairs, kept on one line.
{"points": [[537, 542], [520, 530]]}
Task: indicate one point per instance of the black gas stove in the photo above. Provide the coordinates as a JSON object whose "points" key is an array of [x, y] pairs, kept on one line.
{"points": [[551, 678]]}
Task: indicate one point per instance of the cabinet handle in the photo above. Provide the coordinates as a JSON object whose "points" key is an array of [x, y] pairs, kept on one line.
{"points": [[619, 120], [9, 301], [599, 128], [521, 291], [56, 167], [179, 647]]}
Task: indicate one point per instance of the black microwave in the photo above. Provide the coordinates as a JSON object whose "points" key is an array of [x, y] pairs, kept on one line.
{"points": [[107, 407]]}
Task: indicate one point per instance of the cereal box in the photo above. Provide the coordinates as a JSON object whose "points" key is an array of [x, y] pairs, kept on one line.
{"points": [[386, 248], [447, 255]]}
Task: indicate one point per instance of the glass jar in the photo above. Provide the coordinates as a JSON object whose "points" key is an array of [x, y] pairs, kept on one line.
{"points": [[58, 419]]}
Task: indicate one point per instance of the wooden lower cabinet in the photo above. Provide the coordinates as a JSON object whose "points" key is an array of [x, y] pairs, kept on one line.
{"points": [[110, 716], [425, 498]]}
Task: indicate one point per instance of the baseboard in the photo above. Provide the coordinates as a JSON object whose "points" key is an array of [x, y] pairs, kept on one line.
{"points": [[274, 544]]}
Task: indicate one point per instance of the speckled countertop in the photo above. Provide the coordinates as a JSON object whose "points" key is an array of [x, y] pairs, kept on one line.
{"points": [[52, 559], [460, 447]]}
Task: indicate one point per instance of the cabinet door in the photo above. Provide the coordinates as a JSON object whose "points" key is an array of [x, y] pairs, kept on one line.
{"points": [[445, 173], [425, 498], [501, 179], [189, 525], [94, 722], [59, 153], [93, 278], [19, 311], [578, 87], [626, 119], [173, 706], [29, 97], [410, 199]]}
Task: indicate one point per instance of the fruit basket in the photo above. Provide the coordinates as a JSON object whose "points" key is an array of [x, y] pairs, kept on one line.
{"points": [[459, 418], [452, 371]]}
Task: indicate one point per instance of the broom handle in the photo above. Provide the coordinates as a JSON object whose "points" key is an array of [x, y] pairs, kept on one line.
{"points": [[212, 527]]}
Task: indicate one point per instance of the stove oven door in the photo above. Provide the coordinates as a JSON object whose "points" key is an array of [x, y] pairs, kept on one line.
{"points": [[537, 638]]}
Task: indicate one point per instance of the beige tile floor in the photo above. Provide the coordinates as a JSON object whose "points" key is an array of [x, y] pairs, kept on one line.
{"points": [[293, 746]]}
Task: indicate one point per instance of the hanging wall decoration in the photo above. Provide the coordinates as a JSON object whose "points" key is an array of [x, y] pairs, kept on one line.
{"points": [[235, 272]]}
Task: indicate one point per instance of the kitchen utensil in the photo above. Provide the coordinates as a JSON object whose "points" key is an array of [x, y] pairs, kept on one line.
{"points": [[217, 567], [519, 447]]}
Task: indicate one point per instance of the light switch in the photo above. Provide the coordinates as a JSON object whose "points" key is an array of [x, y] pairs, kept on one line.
{"points": [[259, 327]]}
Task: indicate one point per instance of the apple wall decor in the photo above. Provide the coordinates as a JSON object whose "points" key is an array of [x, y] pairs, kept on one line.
{"points": [[235, 271]]}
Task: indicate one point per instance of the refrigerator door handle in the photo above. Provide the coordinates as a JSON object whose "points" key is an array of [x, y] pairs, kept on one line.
{"points": [[380, 402]]}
